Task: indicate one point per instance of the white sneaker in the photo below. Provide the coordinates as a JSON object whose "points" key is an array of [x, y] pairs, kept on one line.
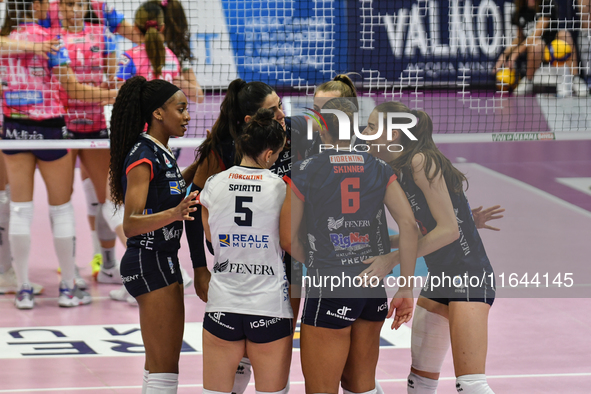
{"points": [[109, 275], [79, 281], [72, 297], [525, 87], [121, 294], [24, 298], [8, 283], [580, 88], [187, 280]]}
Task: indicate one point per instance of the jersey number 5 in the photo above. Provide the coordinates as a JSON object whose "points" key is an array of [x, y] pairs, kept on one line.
{"points": [[245, 221], [350, 195]]}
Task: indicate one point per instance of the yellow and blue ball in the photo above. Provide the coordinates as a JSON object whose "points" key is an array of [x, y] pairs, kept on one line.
{"points": [[506, 79], [557, 52]]}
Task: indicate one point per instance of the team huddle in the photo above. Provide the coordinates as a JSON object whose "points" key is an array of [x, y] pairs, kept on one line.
{"points": [[270, 202]]}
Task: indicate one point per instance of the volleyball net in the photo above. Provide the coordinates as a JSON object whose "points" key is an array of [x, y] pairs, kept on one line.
{"points": [[438, 56]]}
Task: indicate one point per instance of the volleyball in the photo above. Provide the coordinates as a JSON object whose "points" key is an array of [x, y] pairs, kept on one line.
{"points": [[557, 52], [506, 79]]}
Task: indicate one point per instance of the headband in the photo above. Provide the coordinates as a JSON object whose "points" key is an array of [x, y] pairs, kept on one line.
{"points": [[160, 96]]}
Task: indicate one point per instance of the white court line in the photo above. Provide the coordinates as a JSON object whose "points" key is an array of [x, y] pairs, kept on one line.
{"points": [[531, 188], [525, 376]]}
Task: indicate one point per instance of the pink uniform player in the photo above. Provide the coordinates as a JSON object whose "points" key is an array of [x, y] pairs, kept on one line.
{"points": [[104, 13], [136, 62], [31, 92], [88, 50]]}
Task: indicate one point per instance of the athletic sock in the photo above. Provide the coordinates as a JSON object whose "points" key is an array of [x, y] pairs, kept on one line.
{"points": [[374, 391], [145, 381], [64, 239], [242, 377], [109, 260], [421, 385], [473, 384], [21, 216], [5, 257], [96, 244], [162, 383]]}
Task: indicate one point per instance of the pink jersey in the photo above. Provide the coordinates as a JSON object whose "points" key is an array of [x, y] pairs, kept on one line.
{"points": [[106, 15], [31, 91], [87, 49], [135, 62]]}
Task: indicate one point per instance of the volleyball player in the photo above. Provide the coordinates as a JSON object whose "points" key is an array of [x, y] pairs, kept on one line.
{"points": [[340, 197], [92, 50], [536, 28], [32, 107], [145, 177], [248, 303], [152, 60], [451, 245]]}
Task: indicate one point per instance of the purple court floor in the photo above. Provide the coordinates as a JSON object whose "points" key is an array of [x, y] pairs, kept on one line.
{"points": [[538, 342]]}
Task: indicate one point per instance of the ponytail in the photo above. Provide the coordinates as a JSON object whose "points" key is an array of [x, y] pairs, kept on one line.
{"points": [[343, 84], [261, 133], [241, 99], [176, 33], [149, 19]]}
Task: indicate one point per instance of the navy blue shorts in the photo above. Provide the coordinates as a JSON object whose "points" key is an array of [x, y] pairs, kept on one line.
{"points": [[445, 285], [25, 129], [93, 135], [342, 312], [258, 329], [143, 271]]}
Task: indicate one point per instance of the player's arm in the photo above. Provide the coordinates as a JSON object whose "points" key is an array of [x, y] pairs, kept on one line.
{"points": [[541, 25], [406, 255], [187, 82], [130, 32], [285, 222], [43, 48], [205, 221], [134, 221], [297, 249]]}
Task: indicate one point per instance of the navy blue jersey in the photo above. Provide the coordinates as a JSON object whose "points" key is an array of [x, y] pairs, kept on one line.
{"points": [[467, 252], [344, 210], [167, 189]]}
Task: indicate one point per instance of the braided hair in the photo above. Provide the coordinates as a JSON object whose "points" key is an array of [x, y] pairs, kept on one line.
{"points": [[127, 123]]}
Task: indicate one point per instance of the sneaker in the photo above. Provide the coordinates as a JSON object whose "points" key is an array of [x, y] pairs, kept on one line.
{"points": [[24, 298], [187, 280], [95, 263], [72, 297], [79, 281], [121, 294], [525, 86], [580, 88], [109, 275], [8, 284]]}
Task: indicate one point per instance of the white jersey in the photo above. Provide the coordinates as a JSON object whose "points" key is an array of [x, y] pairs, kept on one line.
{"points": [[248, 277]]}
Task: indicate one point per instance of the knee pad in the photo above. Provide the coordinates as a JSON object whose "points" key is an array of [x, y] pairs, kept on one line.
{"points": [[114, 218], [92, 202], [21, 217], [62, 220], [429, 341], [473, 384], [103, 231]]}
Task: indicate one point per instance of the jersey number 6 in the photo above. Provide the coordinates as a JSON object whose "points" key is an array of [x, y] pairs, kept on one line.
{"points": [[240, 208], [350, 195]]}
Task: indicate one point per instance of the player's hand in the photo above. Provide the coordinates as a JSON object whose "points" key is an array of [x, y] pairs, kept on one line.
{"points": [[504, 62], [45, 47], [380, 266], [482, 216], [201, 282], [401, 307], [187, 206]]}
